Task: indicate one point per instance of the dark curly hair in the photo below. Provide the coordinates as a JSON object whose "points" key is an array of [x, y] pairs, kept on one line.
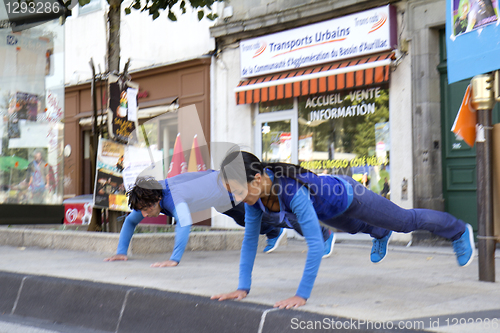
{"points": [[145, 193]]}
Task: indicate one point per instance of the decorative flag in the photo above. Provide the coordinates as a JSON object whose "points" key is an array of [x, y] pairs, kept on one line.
{"points": [[465, 122], [178, 163], [195, 159]]}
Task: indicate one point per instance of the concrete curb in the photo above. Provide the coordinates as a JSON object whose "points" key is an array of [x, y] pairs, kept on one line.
{"points": [[123, 309], [148, 243]]}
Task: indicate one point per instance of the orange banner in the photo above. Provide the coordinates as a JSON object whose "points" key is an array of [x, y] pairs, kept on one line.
{"points": [[465, 122]]}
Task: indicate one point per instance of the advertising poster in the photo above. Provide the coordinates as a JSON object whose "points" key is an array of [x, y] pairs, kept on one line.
{"points": [[472, 35], [470, 15], [22, 107], [122, 112], [109, 187], [138, 162], [306, 147], [27, 106]]}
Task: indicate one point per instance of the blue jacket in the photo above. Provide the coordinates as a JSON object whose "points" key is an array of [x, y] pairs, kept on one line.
{"points": [[182, 195]]}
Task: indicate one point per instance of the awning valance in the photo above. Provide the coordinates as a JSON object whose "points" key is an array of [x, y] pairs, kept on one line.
{"points": [[346, 74]]}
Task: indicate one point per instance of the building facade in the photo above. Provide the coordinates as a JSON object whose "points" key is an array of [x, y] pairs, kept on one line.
{"points": [[170, 61], [314, 115]]}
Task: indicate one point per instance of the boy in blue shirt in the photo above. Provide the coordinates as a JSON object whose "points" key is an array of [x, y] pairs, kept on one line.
{"points": [[338, 201]]}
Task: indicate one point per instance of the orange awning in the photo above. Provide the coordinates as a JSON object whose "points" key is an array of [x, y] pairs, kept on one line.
{"points": [[346, 74]]}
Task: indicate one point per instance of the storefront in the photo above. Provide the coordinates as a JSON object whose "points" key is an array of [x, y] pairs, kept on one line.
{"points": [[162, 91], [323, 102], [31, 124]]}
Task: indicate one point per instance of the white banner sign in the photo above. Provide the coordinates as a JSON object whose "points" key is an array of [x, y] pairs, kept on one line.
{"points": [[350, 36]]}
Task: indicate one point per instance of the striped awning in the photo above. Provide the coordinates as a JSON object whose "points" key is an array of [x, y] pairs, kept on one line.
{"points": [[346, 74]]}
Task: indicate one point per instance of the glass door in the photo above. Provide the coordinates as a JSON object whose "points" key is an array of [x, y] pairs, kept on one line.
{"points": [[276, 136]]}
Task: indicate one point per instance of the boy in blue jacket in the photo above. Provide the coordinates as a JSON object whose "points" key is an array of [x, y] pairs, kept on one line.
{"points": [[338, 201]]}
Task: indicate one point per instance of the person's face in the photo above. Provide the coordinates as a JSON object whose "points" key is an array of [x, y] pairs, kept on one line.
{"points": [[248, 193], [152, 211], [38, 157]]}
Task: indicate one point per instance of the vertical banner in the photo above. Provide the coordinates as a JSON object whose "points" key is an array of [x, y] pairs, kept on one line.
{"points": [[178, 163], [122, 108], [195, 158]]}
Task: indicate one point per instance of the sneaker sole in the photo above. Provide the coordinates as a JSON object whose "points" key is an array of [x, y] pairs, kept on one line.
{"points": [[472, 245], [331, 248], [277, 242], [386, 250]]}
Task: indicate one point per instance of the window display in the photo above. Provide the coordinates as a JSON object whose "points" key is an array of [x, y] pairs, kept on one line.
{"points": [[31, 113], [347, 132]]}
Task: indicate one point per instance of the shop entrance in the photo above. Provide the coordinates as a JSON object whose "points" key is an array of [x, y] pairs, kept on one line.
{"points": [[276, 136]]}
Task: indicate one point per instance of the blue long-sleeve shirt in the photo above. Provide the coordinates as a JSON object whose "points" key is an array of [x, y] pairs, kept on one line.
{"points": [[182, 195], [332, 197]]}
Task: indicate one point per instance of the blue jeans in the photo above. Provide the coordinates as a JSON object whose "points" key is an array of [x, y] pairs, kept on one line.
{"points": [[375, 215]]}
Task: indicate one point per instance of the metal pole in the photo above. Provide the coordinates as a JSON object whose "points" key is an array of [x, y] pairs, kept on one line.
{"points": [[483, 101], [96, 220], [486, 241]]}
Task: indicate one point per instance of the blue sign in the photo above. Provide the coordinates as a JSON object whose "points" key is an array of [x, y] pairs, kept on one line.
{"points": [[11, 40], [472, 38]]}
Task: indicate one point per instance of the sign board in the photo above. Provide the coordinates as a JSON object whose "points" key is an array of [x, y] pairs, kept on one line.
{"points": [[472, 38], [122, 111], [23, 14], [109, 189], [358, 34]]}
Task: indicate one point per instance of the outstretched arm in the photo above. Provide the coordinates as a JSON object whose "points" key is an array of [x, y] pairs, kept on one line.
{"points": [[249, 246], [182, 229], [131, 222], [302, 206]]}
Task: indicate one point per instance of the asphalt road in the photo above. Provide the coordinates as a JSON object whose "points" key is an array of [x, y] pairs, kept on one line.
{"points": [[17, 324]]}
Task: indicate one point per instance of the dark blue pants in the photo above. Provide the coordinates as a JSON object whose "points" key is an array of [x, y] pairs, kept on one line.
{"points": [[373, 214]]}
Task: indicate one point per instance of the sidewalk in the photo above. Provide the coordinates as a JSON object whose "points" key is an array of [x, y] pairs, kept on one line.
{"points": [[419, 287]]}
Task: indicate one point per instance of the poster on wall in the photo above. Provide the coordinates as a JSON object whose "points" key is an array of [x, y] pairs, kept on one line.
{"points": [[469, 15], [306, 147], [122, 108], [472, 29], [347, 132], [142, 162], [22, 107], [25, 105], [109, 189]]}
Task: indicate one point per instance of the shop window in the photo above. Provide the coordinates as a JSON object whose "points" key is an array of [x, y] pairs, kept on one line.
{"points": [[346, 132], [161, 133], [31, 113]]}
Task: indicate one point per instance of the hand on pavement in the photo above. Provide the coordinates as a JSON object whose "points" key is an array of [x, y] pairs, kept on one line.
{"points": [[238, 295], [117, 257], [292, 302], [167, 263]]}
